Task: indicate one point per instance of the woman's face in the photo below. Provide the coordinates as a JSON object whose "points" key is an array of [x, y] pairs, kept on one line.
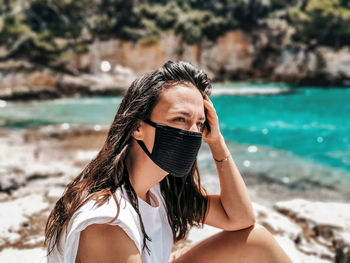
{"points": [[180, 106]]}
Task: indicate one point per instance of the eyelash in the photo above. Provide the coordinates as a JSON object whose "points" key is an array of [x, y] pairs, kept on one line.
{"points": [[180, 118], [200, 123]]}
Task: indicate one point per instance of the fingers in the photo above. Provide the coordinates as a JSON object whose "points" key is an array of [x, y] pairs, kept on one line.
{"points": [[210, 109], [209, 106], [206, 98], [207, 101], [213, 134]]}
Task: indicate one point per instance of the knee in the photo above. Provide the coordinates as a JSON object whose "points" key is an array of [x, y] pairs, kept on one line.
{"points": [[260, 239], [260, 236], [255, 236], [257, 231], [261, 231]]}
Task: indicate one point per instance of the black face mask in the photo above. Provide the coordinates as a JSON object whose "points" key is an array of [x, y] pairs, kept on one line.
{"points": [[174, 150]]}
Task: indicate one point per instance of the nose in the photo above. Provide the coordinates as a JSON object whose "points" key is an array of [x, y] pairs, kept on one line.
{"points": [[194, 128]]}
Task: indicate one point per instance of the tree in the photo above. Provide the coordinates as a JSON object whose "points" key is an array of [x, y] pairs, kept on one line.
{"points": [[323, 22]]}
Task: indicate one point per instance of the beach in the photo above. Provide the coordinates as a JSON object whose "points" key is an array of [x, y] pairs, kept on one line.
{"points": [[280, 73], [39, 162]]}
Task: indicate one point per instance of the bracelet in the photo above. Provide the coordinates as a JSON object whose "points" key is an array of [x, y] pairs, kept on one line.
{"points": [[223, 160]]}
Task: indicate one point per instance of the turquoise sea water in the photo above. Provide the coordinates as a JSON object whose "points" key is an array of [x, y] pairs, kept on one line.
{"points": [[298, 139]]}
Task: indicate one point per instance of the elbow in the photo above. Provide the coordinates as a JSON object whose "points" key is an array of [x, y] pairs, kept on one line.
{"points": [[251, 221], [242, 224], [252, 217]]}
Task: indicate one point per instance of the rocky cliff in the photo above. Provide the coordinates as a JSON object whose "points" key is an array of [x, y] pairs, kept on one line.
{"points": [[238, 55]]}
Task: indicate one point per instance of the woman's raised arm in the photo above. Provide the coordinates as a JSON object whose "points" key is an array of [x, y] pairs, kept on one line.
{"points": [[232, 209]]}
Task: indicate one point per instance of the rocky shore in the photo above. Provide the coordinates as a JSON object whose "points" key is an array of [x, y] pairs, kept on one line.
{"points": [[36, 164], [23, 81], [260, 55], [46, 84]]}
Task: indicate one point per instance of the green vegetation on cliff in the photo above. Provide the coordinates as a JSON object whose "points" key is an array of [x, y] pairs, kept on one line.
{"points": [[45, 31], [324, 22]]}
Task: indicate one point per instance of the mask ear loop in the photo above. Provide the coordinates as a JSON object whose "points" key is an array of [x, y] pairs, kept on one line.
{"points": [[144, 148], [148, 121], [141, 143]]}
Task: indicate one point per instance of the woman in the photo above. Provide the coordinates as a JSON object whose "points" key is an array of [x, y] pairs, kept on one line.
{"points": [[142, 192]]}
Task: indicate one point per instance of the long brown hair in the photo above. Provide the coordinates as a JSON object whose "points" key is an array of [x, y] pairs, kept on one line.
{"points": [[186, 201]]}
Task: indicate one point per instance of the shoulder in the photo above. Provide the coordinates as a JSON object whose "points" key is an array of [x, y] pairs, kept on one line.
{"points": [[115, 208], [102, 242], [113, 212]]}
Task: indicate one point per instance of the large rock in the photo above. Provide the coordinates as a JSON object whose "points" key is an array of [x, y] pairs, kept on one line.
{"points": [[326, 227], [316, 66], [22, 81], [32, 156], [14, 214], [337, 62], [298, 63], [40, 84], [230, 53], [264, 53], [88, 84]]}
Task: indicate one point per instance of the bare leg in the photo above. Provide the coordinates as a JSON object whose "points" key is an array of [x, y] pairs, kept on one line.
{"points": [[251, 245]]}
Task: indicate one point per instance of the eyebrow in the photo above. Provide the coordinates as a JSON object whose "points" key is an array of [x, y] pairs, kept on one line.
{"points": [[187, 114]]}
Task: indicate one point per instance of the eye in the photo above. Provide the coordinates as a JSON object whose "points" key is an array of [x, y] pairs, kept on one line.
{"points": [[180, 119]]}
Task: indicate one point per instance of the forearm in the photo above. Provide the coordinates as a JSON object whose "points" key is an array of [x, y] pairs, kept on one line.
{"points": [[234, 194]]}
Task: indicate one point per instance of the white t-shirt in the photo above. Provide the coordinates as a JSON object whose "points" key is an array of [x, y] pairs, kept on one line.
{"points": [[154, 219]]}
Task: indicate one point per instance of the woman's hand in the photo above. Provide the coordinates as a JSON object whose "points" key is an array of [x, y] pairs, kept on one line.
{"points": [[214, 135]]}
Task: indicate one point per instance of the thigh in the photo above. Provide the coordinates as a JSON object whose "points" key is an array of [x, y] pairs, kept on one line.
{"points": [[253, 244]]}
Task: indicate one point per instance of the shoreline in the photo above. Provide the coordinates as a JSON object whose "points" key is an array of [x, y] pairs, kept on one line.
{"points": [[72, 138], [104, 84]]}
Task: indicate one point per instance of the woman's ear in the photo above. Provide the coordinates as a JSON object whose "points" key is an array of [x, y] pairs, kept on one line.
{"points": [[138, 132]]}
